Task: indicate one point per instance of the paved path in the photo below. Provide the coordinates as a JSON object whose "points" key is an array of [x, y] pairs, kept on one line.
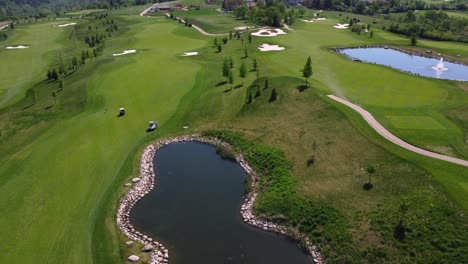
{"points": [[394, 139], [147, 9]]}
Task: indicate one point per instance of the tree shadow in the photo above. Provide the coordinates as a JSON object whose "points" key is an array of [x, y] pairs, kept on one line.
{"points": [[302, 88], [367, 186], [399, 232], [310, 162], [227, 90], [48, 107], [221, 83], [238, 86]]}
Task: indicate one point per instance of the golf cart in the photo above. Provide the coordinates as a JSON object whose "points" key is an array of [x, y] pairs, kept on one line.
{"points": [[152, 125], [121, 111]]}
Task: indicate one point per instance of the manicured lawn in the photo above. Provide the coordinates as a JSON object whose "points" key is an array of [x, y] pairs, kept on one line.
{"points": [[57, 196], [84, 12], [212, 20], [22, 68]]}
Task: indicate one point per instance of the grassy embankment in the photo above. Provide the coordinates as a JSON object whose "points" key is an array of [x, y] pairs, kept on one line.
{"points": [[68, 196]]}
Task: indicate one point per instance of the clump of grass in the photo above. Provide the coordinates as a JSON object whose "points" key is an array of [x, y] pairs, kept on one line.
{"points": [[226, 153]]}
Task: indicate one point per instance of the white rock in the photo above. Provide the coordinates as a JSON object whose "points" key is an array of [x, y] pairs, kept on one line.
{"points": [[135, 180], [133, 258]]}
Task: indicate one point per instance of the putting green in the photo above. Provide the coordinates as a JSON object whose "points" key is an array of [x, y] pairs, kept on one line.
{"points": [[415, 122]]}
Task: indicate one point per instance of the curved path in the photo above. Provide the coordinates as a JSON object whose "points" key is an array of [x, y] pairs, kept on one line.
{"points": [[394, 139]]}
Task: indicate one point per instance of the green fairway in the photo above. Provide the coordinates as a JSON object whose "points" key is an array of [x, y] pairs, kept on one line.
{"points": [[87, 151], [84, 12], [64, 160], [26, 67]]}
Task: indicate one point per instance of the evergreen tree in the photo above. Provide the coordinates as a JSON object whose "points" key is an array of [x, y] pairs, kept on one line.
{"points": [[273, 95], [231, 78], [250, 38], [60, 85], [230, 34], [215, 42], [226, 68], [249, 100], [220, 48], [266, 84], [254, 64], [54, 75], [74, 62], [231, 62], [257, 93], [307, 71], [49, 74], [246, 52], [242, 70]]}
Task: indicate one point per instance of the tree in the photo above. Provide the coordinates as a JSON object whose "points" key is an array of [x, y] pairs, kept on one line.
{"points": [[273, 95], [307, 71], [12, 26], [254, 64], [371, 33], [54, 95], [257, 93], [49, 74], [230, 34], [220, 48], [231, 78], [60, 85], [249, 100], [242, 70], [224, 40], [414, 40], [246, 52], [83, 57], [74, 62], [266, 84], [370, 170], [400, 230], [231, 62], [226, 68], [215, 42], [54, 75], [250, 38]]}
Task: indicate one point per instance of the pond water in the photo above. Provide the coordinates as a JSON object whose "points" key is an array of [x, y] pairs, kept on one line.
{"points": [[194, 211], [410, 63]]}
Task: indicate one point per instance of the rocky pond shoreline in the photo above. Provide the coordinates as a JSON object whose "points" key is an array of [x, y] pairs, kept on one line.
{"points": [[146, 182]]}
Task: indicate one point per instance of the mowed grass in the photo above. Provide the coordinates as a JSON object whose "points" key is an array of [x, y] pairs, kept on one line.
{"points": [[211, 20], [84, 12], [52, 200], [22, 68]]}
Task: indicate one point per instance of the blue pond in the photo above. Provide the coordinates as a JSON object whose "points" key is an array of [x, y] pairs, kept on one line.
{"points": [[410, 63], [194, 211]]}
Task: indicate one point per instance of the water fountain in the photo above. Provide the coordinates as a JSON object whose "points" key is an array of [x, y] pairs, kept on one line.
{"points": [[440, 66]]}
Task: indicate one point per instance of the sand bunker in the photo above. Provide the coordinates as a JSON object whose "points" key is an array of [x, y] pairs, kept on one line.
{"points": [[320, 18], [243, 28], [341, 26], [315, 19], [125, 52], [190, 53], [17, 47], [268, 47], [308, 21], [269, 32], [66, 25]]}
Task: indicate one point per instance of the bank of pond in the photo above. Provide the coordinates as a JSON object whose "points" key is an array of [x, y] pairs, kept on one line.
{"points": [[194, 211]]}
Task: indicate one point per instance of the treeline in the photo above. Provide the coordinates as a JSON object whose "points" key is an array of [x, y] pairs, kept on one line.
{"points": [[3, 32], [14, 9], [264, 13], [436, 25]]}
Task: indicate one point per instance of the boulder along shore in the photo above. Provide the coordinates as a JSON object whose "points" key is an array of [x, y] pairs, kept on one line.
{"points": [[146, 182]]}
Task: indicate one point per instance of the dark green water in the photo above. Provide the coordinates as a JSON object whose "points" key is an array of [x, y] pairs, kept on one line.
{"points": [[194, 211]]}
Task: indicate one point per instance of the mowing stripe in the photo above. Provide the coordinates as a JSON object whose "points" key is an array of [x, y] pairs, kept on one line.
{"points": [[394, 139]]}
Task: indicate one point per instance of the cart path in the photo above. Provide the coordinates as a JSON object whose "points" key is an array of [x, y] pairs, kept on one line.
{"points": [[394, 139]]}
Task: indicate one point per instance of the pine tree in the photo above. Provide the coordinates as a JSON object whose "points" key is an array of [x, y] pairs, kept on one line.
{"points": [[246, 52], [49, 74], [249, 100], [254, 64], [307, 71], [220, 48], [266, 84], [257, 93], [225, 69], [273, 95], [231, 62], [250, 38], [242, 70]]}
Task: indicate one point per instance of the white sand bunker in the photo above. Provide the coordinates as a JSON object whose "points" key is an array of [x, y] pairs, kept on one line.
{"points": [[269, 32], [243, 28], [341, 26], [319, 19], [315, 19], [66, 25], [17, 47], [195, 53], [308, 21], [268, 47], [125, 52]]}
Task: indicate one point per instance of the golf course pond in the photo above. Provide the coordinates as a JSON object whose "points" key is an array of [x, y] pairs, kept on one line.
{"points": [[194, 211], [414, 64]]}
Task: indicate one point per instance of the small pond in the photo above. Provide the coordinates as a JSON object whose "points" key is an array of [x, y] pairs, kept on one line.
{"points": [[194, 211], [429, 67]]}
